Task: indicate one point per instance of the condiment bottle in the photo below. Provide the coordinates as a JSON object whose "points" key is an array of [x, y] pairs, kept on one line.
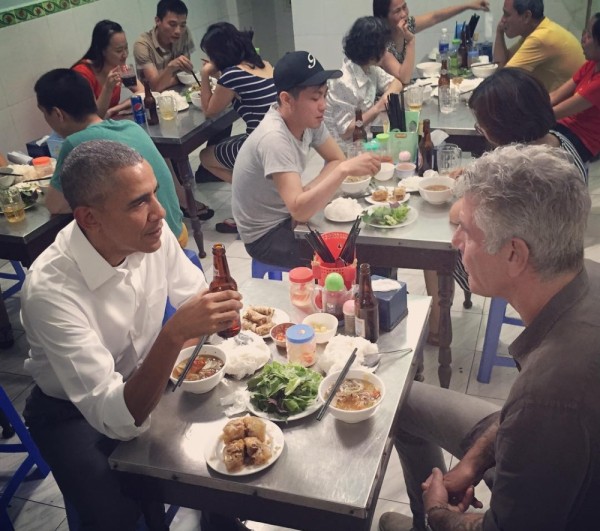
{"points": [[150, 105], [349, 323], [334, 295], [359, 134], [426, 149], [223, 281], [43, 166], [301, 345], [301, 288], [366, 311], [383, 139]]}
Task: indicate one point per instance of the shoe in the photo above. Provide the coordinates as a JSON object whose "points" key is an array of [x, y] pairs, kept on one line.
{"points": [[216, 522], [204, 213], [6, 338], [205, 176], [395, 522], [227, 226]]}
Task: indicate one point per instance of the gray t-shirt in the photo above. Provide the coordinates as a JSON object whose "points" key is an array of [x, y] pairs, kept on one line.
{"points": [[271, 148]]}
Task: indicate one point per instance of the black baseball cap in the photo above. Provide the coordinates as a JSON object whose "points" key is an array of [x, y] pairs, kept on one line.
{"points": [[300, 69]]}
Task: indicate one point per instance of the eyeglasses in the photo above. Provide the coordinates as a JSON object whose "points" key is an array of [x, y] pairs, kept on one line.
{"points": [[479, 129]]}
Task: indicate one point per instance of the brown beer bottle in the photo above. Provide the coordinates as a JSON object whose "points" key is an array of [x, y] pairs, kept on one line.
{"points": [[366, 309], [222, 281], [444, 79], [359, 134], [150, 105], [463, 50], [426, 149]]}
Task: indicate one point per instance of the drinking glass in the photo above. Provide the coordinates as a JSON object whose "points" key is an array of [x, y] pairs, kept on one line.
{"points": [[128, 76], [167, 107], [414, 97], [12, 205], [446, 99], [449, 157]]}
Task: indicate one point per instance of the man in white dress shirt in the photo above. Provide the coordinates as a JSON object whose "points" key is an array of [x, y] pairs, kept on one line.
{"points": [[92, 308]]}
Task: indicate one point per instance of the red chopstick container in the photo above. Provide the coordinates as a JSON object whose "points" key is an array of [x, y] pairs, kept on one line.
{"points": [[334, 241]]}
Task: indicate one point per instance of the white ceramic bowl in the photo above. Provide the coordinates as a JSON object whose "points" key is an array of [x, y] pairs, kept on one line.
{"points": [[352, 417], [281, 327], [429, 69], [207, 384], [323, 319], [186, 78], [433, 196], [356, 187], [406, 169], [386, 172], [195, 99], [483, 69]]}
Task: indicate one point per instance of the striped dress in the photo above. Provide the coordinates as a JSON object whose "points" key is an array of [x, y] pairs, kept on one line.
{"points": [[254, 96]]}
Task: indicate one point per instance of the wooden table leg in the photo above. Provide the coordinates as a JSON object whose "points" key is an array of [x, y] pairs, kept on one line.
{"points": [[185, 173], [445, 284]]}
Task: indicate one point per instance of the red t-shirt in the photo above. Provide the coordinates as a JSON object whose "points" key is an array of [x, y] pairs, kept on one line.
{"points": [[586, 124], [86, 71]]}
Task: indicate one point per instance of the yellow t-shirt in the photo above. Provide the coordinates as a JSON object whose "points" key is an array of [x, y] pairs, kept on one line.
{"points": [[551, 53]]}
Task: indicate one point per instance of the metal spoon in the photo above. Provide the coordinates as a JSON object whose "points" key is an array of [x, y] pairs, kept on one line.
{"points": [[372, 360]]}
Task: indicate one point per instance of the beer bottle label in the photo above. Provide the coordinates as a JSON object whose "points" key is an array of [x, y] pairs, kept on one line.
{"points": [[359, 123], [359, 327]]}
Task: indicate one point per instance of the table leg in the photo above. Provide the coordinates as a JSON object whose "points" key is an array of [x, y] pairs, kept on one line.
{"points": [[445, 285], [185, 173]]}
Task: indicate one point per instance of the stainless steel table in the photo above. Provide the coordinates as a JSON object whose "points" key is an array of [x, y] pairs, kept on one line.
{"points": [[459, 124], [176, 139], [329, 474], [25, 240], [425, 244]]}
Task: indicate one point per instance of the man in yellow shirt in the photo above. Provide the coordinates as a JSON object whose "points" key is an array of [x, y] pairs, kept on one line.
{"points": [[550, 52]]}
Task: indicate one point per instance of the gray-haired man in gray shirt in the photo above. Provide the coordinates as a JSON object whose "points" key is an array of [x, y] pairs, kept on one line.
{"points": [[521, 234]]}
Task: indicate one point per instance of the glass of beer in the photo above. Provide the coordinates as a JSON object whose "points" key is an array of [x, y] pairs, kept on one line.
{"points": [[414, 97], [167, 107], [128, 76], [11, 204]]}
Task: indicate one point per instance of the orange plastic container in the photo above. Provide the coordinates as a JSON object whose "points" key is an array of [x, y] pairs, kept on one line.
{"points": [[335, 241]]}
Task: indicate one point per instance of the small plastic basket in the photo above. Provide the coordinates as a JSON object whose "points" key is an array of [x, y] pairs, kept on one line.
{"points": [[335, 241]]}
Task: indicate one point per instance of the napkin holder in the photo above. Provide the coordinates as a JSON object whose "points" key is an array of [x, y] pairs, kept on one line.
{"points": [[393, 305]]}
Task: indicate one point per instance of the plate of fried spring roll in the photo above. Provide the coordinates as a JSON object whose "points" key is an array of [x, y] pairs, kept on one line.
{"points": [[260, 319]]}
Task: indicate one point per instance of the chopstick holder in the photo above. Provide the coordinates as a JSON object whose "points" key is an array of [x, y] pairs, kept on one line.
{"points": [[337, 384], [188, 365]]}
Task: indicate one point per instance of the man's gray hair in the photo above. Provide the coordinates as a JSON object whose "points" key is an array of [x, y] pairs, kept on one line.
{"points": [[531, 192], [535, 6], [87, 175]]}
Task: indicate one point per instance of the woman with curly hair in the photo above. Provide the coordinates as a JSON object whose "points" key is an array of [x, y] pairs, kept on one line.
{"points": [[399, 60], [362, 79]]}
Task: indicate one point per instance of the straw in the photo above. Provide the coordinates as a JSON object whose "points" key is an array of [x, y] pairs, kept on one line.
{"points": [[337, 384], [188, 365]]}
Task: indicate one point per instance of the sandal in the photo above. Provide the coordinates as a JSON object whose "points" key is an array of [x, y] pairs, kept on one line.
{"points": [[227, 226], [204, 213]]}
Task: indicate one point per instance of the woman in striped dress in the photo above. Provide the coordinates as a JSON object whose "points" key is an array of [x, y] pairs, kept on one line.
{"points": [[245, 81]]}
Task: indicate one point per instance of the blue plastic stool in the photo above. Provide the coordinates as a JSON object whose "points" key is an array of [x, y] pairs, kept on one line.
{"points": [[489, 356], [259, 270], [169, 310], [18, 275], [25, 446]]}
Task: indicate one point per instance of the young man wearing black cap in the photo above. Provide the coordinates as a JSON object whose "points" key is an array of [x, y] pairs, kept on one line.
{"points": [[268, 195]]}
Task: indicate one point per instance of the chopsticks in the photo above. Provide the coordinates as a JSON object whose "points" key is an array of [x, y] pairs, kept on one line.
{"points": [[196, 78], [188, 365], [318, 244], [347, 252], [13, 174], [337, 384]]}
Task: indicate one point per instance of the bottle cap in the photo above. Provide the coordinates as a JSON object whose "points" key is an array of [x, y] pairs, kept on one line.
{"points": [[301, 275], [300, 333], [383, 137], [334, 282], [348, 307]]}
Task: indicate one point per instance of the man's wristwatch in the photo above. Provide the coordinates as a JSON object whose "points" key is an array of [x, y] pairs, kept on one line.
{"points": [[434, 508]]}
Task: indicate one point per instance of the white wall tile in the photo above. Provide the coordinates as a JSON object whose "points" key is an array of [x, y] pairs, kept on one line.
{"points": [[29, 122]]}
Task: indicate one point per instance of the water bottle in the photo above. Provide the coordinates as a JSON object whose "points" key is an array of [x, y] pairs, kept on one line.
{"points": [[444, 44]]}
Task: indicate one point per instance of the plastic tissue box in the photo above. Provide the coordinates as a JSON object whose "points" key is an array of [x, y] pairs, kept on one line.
{"points": [[392, 305]]}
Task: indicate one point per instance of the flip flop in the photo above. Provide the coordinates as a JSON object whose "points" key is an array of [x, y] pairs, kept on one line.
{"points": [[227, 226], [204, 213]]}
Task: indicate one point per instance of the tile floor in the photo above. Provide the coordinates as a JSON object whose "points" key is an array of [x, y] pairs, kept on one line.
{"points": [[38, 504]]}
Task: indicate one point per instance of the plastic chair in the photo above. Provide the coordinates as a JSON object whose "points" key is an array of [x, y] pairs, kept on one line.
{"points": [[259, 270], [25, 446], [169, 309], [489, 356], [18, 275]]}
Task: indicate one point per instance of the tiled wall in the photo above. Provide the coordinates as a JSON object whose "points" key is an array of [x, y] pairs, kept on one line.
{"points": [[319, 25], [30, 48]]}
